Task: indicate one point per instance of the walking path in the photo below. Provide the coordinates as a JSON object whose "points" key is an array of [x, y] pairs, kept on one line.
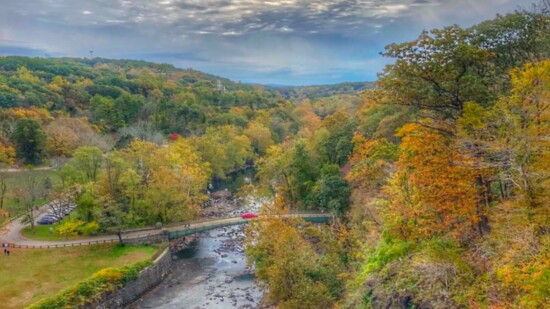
{"points": [[12, 233]]}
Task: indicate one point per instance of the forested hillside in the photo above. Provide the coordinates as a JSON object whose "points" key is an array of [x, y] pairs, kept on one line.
{"points": [[116, 93], [441, 180], [122, 136], [319, 91]]}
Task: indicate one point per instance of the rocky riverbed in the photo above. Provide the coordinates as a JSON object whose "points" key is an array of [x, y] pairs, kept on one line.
{"points": [[223, 204], [211, 273]]}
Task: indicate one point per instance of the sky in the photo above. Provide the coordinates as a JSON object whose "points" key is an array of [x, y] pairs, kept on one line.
{"points": [[286, 42]]}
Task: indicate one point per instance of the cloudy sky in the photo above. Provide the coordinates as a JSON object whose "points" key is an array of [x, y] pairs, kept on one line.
{"points": [[290, 42]]}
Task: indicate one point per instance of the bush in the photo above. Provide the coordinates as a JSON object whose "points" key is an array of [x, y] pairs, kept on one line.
{"points": [[105, 280], [90, 228], [386, 252], [69, 228]]}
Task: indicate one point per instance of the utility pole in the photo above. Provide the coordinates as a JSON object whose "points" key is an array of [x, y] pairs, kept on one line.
{"points": [[91, 54]]}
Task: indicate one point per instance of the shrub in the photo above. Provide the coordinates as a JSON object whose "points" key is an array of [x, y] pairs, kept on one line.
{"points": [[90, 228], [386, 252], [105, 280]]}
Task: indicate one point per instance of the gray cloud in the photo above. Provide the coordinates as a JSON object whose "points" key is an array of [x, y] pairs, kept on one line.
{"points": [[285, 41]]}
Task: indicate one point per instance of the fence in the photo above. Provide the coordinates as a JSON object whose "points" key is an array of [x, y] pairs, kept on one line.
{"points": [[72, 244], [194, 230], [161, 235]]}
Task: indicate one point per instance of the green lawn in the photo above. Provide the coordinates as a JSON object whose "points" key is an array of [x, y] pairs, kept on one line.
{"points": [[42, 232], [27, 276]]}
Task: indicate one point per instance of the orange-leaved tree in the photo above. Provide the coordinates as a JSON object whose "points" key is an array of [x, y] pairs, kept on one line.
{"points": [[434, 191]]}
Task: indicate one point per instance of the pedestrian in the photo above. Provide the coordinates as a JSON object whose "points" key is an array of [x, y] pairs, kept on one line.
{"points": [[8, 252], [5, 251]]}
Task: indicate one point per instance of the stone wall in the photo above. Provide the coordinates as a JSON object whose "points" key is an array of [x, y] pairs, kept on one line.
{"points": [[148, 279]]}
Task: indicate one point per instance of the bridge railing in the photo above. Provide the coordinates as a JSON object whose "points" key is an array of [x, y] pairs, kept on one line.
{"points": [[200, 229], [72, 244], [194, 230]]}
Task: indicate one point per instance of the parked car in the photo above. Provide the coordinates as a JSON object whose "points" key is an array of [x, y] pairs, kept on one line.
{"points": [[247, 215], [46, 220], [52, 217]]}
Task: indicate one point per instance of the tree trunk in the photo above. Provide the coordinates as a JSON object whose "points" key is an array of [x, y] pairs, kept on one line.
{"points": [[3, 189], [501, 187], [30, 214], [482, 205]]}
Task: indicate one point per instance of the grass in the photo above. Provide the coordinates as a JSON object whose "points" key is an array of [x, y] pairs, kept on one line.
{"points": [[42, 232], [27, 276]]}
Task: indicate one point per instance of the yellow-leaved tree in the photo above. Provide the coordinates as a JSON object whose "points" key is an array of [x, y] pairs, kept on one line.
{"points": [[178, 181]]}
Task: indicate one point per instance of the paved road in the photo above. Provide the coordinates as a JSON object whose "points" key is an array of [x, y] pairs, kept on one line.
{"points": [[12, 234]]}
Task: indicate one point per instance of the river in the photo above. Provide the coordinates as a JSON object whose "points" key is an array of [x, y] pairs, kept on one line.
{"points": [[212, 273]]}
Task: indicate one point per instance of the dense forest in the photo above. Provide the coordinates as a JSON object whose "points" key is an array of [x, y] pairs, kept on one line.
{"points": [[122, 135], [438, 177], [446, 169]]}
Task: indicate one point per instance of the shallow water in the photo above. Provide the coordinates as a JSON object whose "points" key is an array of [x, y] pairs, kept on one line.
{"points": [[212, 273]]}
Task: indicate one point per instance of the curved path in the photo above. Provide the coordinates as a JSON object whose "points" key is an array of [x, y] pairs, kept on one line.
{"points": [[12, 236]]}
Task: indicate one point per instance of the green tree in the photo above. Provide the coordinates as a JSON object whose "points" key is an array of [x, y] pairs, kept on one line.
{"points": [[331, 191], [515, 39], [127, 108], [338, 145], [29, 140], [437, 73], [115, 217], [87, 160], [303, 173], [87, 205]]}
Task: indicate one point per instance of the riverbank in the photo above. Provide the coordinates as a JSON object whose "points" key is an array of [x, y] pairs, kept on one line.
{"points": [[211, 273]]}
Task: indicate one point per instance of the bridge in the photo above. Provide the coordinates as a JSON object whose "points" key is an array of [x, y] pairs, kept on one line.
{"points": [[153, 234], [214, 224]]}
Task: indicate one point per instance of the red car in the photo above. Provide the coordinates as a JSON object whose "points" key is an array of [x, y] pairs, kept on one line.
{"points": [[247, 215]]}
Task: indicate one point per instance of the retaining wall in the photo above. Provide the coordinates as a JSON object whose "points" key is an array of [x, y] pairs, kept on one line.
{"points": [[148, 279]]}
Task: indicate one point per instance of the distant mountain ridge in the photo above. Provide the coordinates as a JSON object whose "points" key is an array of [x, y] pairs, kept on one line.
{"points": [[50, 67], [319, 91], [114, 94]]}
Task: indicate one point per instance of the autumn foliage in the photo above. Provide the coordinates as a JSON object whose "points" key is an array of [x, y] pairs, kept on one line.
{"points": [[434, 189]]}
